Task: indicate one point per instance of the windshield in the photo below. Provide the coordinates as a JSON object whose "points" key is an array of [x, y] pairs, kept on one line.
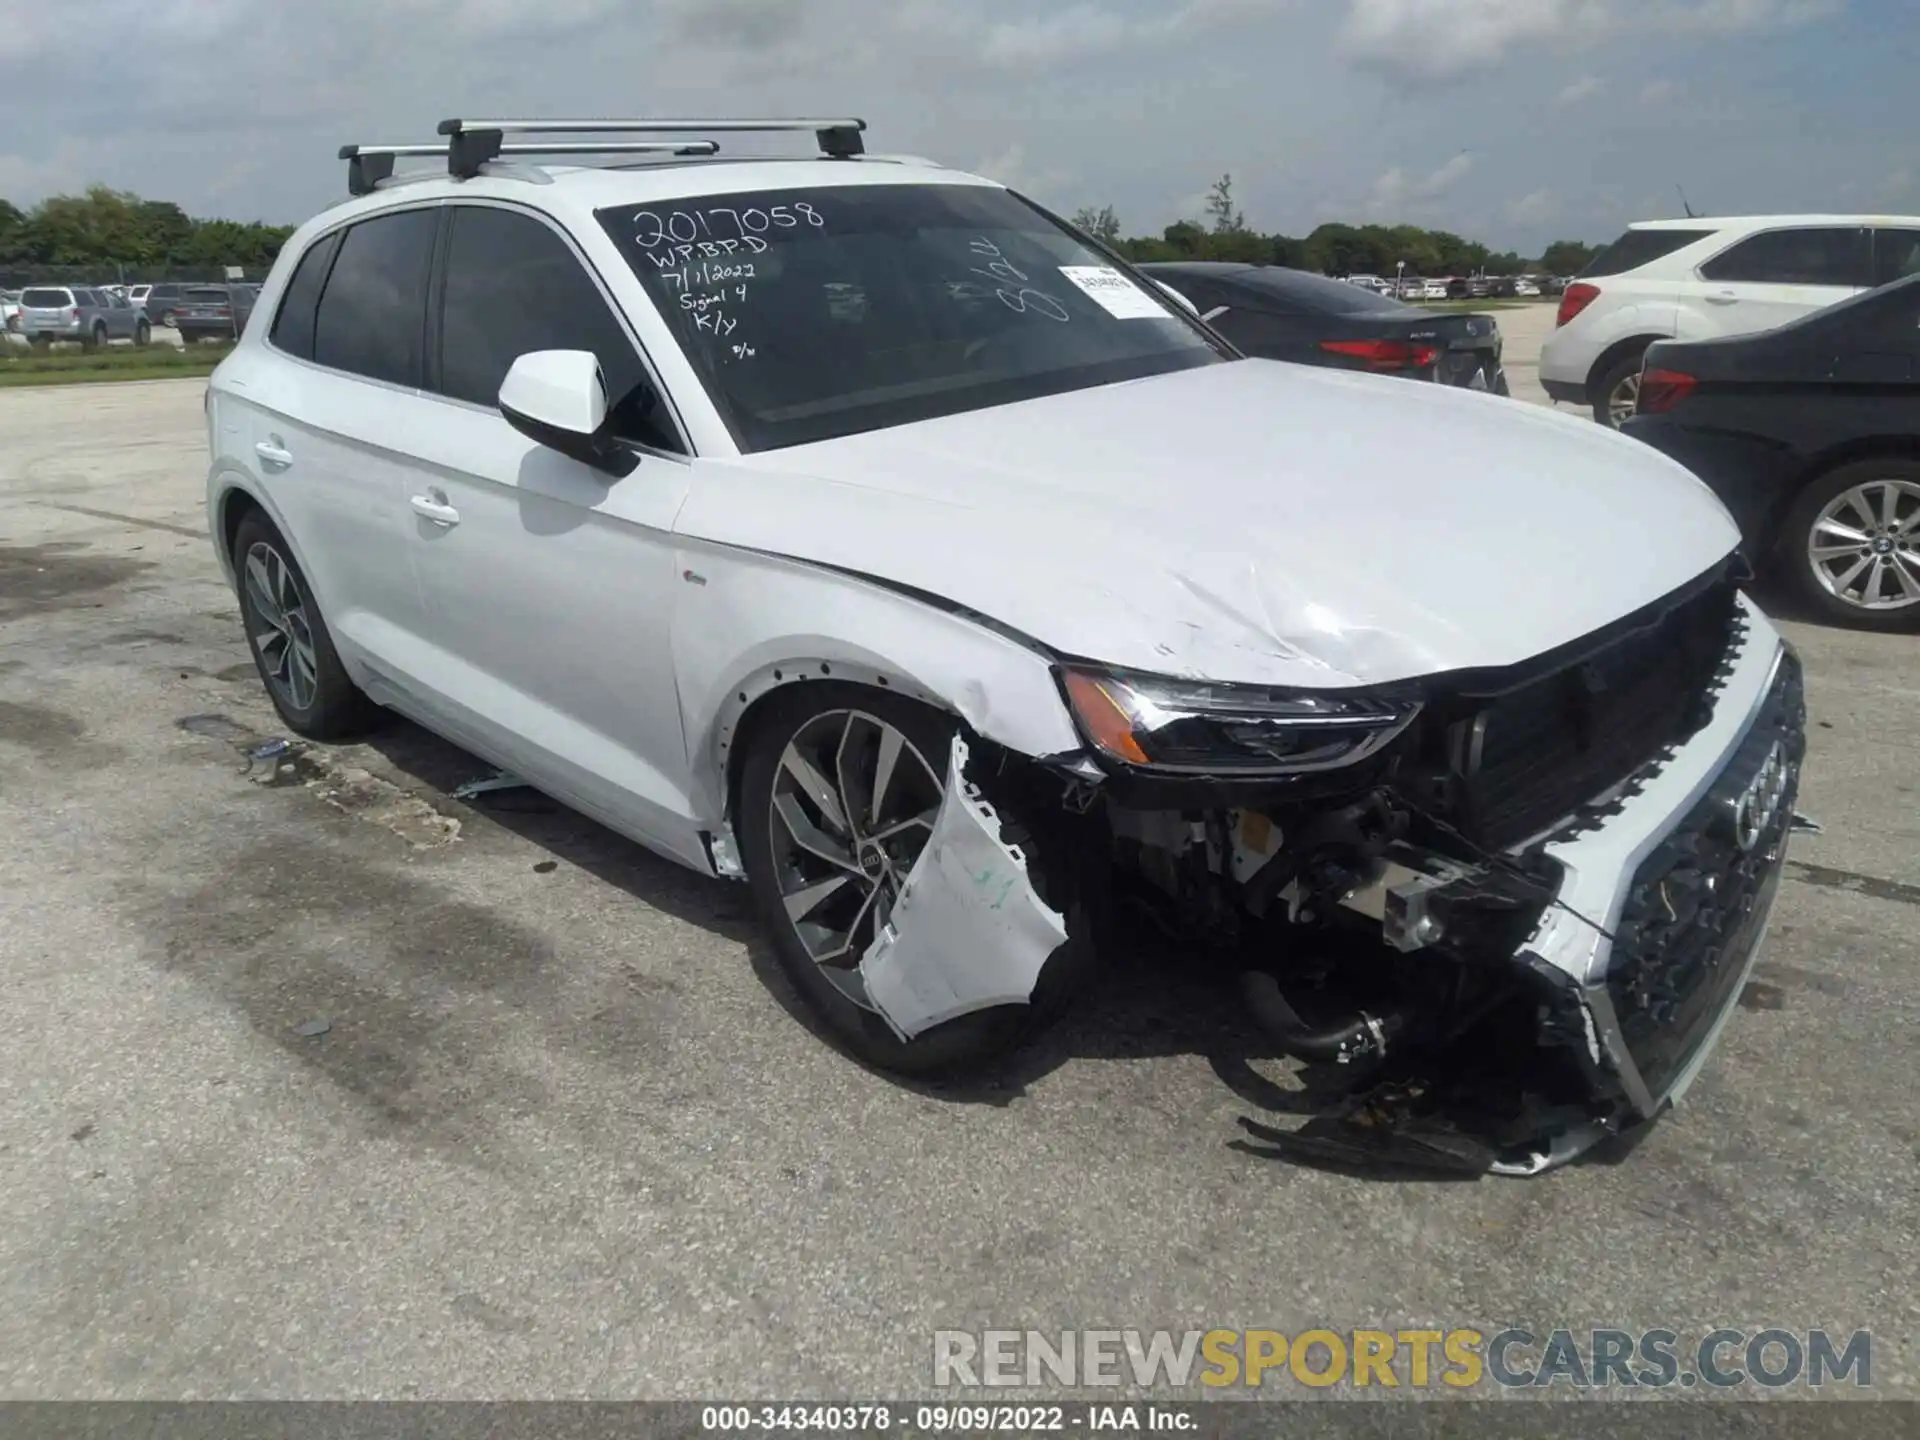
{"points": [[821, 312]]}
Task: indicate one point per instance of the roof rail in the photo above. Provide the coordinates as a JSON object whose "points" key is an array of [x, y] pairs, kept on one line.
{"points": [[369, 165], [472, 142]]}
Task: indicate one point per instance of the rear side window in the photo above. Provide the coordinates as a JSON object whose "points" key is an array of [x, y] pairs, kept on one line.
{"points": [[1640, 247], [1804, 255], [45, 299], [513, 286], [1896, 255], [373, 311]]}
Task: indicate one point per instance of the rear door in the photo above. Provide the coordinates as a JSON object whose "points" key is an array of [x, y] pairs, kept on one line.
{"points": [[1775, 276], [549, 585], [331, 427]]}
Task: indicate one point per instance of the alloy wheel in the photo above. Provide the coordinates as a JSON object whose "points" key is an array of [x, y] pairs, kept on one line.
{"points": [[852, 807], [278, 626], [1865, 545], [1622, 400]]}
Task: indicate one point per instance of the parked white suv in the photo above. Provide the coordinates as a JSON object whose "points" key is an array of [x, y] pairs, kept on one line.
{"points": [[856, 529], [1703, 278]]}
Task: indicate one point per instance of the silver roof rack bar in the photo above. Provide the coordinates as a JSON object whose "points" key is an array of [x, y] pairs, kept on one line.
{"points": [[472, 142], [368, 165]]}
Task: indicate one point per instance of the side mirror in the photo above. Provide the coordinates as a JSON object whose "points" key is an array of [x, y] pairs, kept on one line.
{"points": [[1182, 301], [558, 399]]}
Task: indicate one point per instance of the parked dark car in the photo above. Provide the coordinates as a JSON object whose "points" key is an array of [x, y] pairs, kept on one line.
{"points": [[214, 312], [1281, 314], [1810, 434], [161, 301]]}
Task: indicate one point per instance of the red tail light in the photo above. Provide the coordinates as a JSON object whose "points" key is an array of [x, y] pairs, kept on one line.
{"points": [[1577, 298], [1384, 354], [1661, 390], [76, 312]]}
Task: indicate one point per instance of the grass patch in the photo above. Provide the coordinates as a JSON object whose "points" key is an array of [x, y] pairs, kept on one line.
{"points": [[20, 366]]}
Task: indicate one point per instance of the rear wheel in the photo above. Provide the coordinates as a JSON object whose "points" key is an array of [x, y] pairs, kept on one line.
{"points": [[1852, 544], [96, 338], [838, 796], [291, 645], [1618, 391], [142, 333]]}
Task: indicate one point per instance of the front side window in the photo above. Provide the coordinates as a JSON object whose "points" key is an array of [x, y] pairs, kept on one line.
{"points": [[1804, 255], [373, 311], [513, 286], [815, 313]]}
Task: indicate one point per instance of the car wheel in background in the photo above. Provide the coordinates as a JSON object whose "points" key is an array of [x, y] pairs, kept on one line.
{"points": [[96, 338], [167, 319], [838, 791], [1851, 541], [290, 642], [142, 333], [1618, 391]]}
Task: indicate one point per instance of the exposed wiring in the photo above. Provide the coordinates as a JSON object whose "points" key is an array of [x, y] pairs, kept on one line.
{"points": [[1503, 863]]}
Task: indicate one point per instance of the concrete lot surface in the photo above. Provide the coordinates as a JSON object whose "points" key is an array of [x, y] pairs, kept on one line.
{"points": [[562, 1135]]}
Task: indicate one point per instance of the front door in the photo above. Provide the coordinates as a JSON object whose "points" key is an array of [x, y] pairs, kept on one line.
{"points": [[548, 584]]}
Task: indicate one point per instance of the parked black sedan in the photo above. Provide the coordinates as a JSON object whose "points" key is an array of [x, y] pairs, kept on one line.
{"points": [[1282, 314], [1811, 436], [215, 312]]}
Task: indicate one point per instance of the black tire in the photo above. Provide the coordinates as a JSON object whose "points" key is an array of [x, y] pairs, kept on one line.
{"points": [[167, 319], [1797, 530], [143, 334], [96, 338], [334, 707], [1623, 371], [961, 1045]]}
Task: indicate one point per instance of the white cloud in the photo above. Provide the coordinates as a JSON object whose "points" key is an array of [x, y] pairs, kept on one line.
{"points": [[1538, 207], [1658, 92], [1585, 88], [1396, 194], [1014, 169], [1443, 39]]}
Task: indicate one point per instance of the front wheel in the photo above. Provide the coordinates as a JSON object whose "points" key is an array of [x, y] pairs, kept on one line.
{"points": [[838, 796], [1852, 544], [1617, 394]]}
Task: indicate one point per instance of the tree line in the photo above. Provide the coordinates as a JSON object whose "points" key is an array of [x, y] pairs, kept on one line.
{"points": [[1332, 249], [104, 230]]}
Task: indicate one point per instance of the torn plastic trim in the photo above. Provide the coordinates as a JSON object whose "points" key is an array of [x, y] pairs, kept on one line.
{"points": [[723, 853], [969, 932]]}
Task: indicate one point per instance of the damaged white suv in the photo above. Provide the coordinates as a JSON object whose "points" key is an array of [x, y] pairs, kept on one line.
{"points": [[854, 527]]}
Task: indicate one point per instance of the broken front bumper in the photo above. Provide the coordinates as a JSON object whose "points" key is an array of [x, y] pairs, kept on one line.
{"points": [[1664, 900]]}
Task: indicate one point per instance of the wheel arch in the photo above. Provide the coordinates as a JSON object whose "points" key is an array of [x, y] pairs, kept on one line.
{"points": [[1824, 462], [234, 497], [751, 627], [1612, 356]]}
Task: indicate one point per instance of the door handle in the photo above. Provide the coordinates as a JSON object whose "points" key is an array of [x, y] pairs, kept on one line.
{"points": [[1722, 297], [434, 507], [272, 454]]}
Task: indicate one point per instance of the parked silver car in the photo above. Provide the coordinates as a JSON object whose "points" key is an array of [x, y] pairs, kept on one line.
{"points": [[78, 313]]}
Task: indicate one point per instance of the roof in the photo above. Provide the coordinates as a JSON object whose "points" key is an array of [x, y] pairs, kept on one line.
{"points": [[1767, 222]]}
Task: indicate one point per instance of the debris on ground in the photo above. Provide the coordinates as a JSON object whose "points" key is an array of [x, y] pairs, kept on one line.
{"points": [[312, 1029], [488, 784]]}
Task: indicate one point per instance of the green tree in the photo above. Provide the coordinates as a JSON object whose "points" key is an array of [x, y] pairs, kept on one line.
{"points": [[1226, 217], [1567, 257], [1102, 224]]}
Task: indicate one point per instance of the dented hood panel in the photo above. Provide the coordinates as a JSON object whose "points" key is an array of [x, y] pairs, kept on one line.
{"points": [[1253, 521]]}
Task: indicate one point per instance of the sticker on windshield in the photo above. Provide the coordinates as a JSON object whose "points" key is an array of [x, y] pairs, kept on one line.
{"points": [[1114, 292]]}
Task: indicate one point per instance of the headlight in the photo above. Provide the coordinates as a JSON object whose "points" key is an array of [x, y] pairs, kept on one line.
{"points": [[1164, 723]]}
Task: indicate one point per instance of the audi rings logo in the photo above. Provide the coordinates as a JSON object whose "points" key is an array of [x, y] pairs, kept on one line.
{"points": [[1754, 811]]}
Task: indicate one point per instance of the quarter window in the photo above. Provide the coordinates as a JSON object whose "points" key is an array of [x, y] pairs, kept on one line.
{"points": [[293, 326], [373, 311], [1805, 255], [513, 286], [1896, 255]]}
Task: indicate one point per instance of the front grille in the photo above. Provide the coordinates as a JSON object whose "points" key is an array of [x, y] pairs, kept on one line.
{"points": [[1535, 756], [1695, 905]]}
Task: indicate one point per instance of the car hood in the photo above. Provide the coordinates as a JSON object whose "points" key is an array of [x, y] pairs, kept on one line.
{"points": [[1252, 521]]}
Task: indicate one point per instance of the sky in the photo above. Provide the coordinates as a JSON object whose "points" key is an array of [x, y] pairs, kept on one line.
{"points": [[1513, 122]]}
